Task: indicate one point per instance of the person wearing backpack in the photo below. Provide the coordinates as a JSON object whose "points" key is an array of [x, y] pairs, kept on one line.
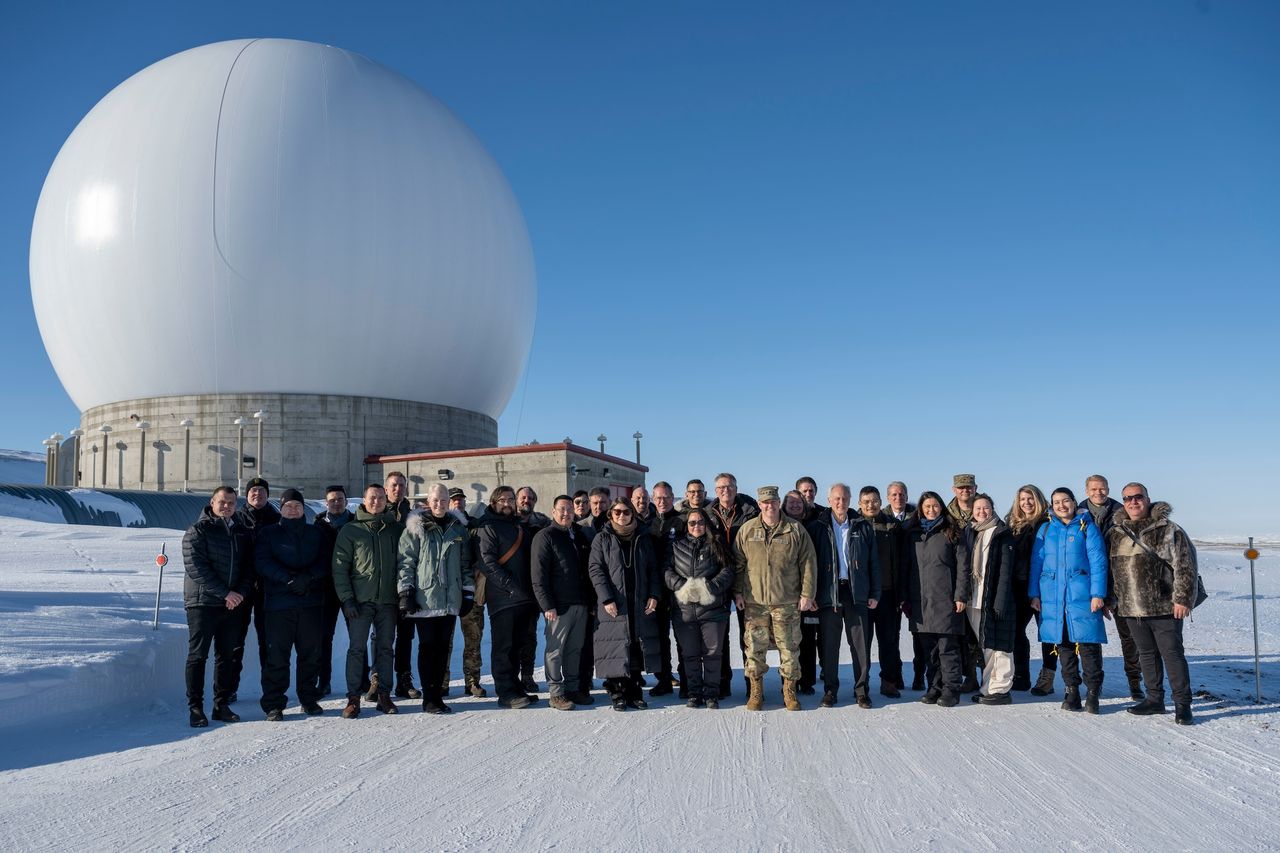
{"points": [[1156, 583]]}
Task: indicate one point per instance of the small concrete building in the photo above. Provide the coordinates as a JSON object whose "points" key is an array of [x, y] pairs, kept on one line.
{"points": [[551, 469]]}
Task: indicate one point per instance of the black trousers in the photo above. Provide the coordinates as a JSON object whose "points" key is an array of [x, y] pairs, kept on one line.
{"points": [[508, 630], [221, 628], [1133, 668], [404, 650], [886, 626], [251, 610], [726, 670], [587, 658], [289, 630], [851, 622], [943, 654], [665, 626], [529, 648], [435, 639], [328, 625], [381, 619], [1087, 658], [1159, 643], [920, 654], [702, 650], [809, 649]]}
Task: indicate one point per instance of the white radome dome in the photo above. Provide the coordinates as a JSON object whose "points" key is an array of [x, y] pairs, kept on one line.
{"points": [[277, 216]]}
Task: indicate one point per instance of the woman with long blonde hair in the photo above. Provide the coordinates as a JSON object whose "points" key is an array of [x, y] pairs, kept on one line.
{"points": [[1029, 511]]}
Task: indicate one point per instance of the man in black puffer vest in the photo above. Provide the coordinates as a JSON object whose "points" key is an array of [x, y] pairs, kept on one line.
{"points": [[290, 558], [216, 556]]}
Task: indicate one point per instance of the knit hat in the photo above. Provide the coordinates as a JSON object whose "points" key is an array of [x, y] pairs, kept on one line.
{"points": [[290, 495], [258, 481]]}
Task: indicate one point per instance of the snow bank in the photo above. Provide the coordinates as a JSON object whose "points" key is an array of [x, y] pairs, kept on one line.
{"points": [[22, 466], [130, 514]]}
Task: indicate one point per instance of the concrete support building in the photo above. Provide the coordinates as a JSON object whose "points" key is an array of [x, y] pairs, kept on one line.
{"points": [[551, 469]]}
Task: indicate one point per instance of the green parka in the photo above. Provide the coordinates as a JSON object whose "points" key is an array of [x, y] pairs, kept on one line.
{"points": [[365, 558]]}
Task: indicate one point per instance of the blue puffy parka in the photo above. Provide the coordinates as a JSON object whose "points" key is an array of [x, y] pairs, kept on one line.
{"points": [[1068, 568]]}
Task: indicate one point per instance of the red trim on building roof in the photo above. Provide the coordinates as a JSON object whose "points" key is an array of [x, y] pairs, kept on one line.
{"points": [[506, 451]]}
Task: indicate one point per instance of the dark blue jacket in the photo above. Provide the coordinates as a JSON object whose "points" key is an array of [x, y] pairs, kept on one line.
{"points": [[862, 553], [290, 558]]}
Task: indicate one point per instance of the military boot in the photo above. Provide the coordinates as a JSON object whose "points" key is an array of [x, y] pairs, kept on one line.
{"points": [[755, 697], [474, 689], [1044, 684], [789, 697]]}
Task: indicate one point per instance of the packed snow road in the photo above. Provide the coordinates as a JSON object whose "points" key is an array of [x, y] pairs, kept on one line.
{"points": [[96, 752]]}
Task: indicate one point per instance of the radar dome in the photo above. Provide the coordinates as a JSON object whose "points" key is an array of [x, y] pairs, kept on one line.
{"points": [[279, 216]]}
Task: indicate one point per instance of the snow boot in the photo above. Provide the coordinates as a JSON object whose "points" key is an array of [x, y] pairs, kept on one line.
{"points": [[996, 699], [755, 697], [433, 705], [515, 702], [1044, 684], [198, 719], [1091, 702], [948, 700], [474, 689], [713, 704], [1147, 708], [828, 699], [664, 687], [580, 697], [385, 705], [931, 696], [619, 704], [224, 714], [353, 707], [561, 703], [406, 690], [888, 688], [312, 709], [696, 702], [789, 697], [372, 694], [1182, 715], [275, 715], [1072, 700]]}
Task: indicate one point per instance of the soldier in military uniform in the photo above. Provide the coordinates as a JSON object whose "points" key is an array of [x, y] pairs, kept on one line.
{"points": [[472, 624], [774, 583]]}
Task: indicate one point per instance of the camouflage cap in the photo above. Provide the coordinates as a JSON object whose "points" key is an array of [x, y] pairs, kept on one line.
{"points": [[964, 480], [767, 493]]}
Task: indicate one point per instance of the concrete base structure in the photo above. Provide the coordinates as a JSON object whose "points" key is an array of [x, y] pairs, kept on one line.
{"points": [[309, 441], [551, 469]]}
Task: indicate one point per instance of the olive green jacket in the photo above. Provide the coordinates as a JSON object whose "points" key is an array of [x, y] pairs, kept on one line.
{"points": [[366, 557], [774, 567]]}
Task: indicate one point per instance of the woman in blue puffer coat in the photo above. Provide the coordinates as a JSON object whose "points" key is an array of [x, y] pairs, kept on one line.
{"points": [[1068, 585]]}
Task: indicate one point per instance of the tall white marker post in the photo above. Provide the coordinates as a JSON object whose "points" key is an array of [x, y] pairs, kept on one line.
{"points": [[1252, 554], [161, 562]]}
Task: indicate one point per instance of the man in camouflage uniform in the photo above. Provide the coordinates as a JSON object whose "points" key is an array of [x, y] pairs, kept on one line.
{"points": [[773, 584], [473, 623]]}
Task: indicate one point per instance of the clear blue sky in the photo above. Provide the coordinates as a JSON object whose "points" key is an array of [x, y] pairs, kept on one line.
{"points": [[862, 241]]}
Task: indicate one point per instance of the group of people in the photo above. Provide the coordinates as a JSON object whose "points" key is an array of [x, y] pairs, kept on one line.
{"points": [[613, 578]]}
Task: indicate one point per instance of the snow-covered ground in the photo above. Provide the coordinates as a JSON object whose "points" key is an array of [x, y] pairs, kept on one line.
{"points": [[22, 466], [95, 751]]}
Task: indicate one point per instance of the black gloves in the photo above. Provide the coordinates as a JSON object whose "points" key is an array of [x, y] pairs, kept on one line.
{"points": [[299, 586], [468, 602], [351, 610], [408, 603]]}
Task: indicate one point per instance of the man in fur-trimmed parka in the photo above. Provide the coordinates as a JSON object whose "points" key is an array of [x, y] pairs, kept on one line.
{"points": [[1154, 571]]}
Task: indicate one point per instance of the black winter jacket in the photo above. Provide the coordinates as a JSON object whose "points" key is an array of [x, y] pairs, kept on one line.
{"points": [[862, 553], [692, 558], [509, 584], [998, 625], [891, 543], [290, 558], [257, 520], [744, 509], [218, 560], [329, 538], [938, 577], [559, 568], [608, 563]]}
